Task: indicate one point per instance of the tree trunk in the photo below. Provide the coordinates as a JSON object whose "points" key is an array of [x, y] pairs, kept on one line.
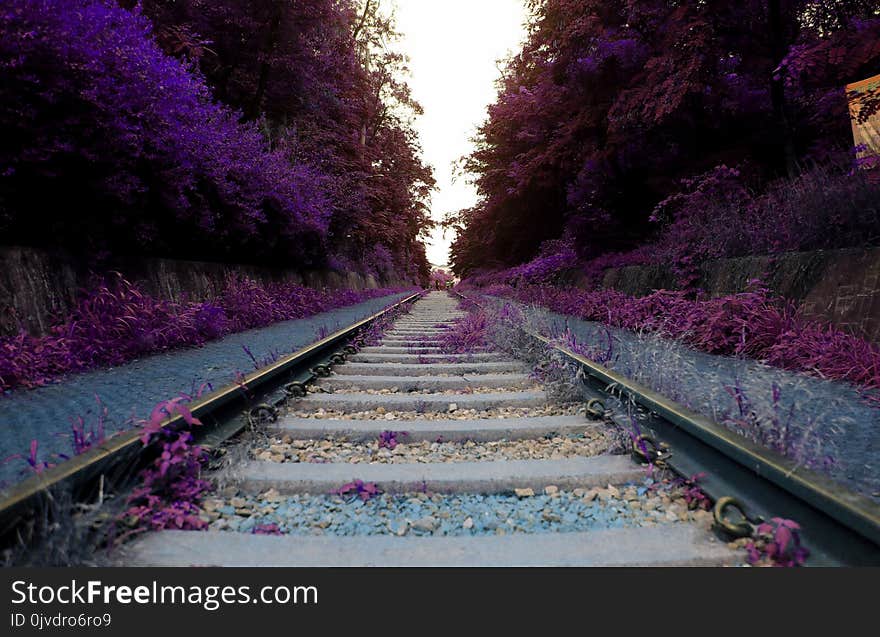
{"points": [[254, 108], [787, 159]]}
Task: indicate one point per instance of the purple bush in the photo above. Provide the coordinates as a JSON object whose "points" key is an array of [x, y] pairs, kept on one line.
{"points": [[610, 108], [360, 489], [178, 130], [94, 110], [556, 259], [778, 543], [440, 279], [467, 334], [171, 489], [753, 324], [389, 439], [594, 269], [115, 323], [716, 216]]}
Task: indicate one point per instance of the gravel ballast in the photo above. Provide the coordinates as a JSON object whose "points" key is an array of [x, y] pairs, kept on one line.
{"points": [[591, 442], [451, 515]]}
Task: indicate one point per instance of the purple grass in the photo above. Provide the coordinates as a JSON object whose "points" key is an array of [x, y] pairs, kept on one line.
{"points": [[752, 324], [116, 322], [360, 489], [467, 335]]}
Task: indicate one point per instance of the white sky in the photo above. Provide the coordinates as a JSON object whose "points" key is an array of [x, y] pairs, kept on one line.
{"points": [[454, 46]]}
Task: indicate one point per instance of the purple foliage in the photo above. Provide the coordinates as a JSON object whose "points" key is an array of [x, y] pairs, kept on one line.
{"points": [[389, 439], [359, 488], [556, 259], [163, 412], [752, 324], [777, 543], [690, 489], [271, 357], [715, 215], [267, 529], [603, 356], [116, 323], [775, 429], [35, 465], [594, 269], [468, 334], [171, 488], [692, 493], [613, 107], [84, 438], [183, 132], [95, 106], [440, 279]]}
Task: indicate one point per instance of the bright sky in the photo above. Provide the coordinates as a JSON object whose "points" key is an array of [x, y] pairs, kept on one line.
{"points": [[454, 46]]}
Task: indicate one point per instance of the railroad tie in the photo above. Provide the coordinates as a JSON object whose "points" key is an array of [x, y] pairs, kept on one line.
{"points": [[408, 455]]}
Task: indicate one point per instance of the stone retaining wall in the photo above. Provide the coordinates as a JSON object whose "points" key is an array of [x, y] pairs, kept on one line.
{"points": [[841, 286], [36, 285]]}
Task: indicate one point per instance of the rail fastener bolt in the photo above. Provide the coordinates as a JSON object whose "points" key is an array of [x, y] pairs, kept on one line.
{"points": [[337, 359], [262, 414]]}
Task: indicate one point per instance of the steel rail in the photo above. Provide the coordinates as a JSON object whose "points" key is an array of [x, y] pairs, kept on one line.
{"points": [[839, 526], [116, 456]]}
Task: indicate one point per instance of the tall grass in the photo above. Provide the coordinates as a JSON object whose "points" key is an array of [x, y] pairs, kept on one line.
{"points": [[752, 324], [116, 322]]}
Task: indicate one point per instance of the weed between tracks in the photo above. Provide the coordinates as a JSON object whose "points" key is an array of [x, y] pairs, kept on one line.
{"points": [[468, 334]]}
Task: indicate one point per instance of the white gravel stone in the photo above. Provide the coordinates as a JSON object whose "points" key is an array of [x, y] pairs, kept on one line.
{"points": [[592, 442]]}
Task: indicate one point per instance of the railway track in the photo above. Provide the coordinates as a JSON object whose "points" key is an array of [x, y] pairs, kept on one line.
{"points": [[31, 508], [399, 454], [488, 472], [747, 483]]}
